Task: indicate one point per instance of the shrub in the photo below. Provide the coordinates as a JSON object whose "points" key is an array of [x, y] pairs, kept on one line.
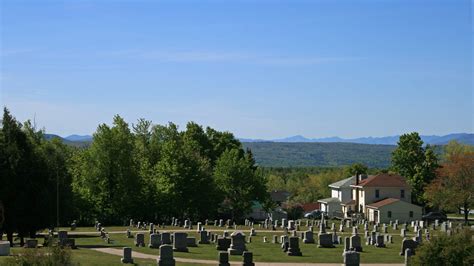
{"points": [[49, 256], [455, 250]]}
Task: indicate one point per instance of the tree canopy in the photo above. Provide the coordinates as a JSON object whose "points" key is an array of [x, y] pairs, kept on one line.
{"points": [[416, 163]]}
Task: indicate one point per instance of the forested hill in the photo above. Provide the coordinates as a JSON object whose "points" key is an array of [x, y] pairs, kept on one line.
{"points": [[278, 154]]}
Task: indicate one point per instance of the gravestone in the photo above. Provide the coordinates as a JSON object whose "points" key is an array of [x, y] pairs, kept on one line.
{"points": [[223, 243], [4, 248], [325, 241], [356, 244], [199, 227], [223, 258], [346, 244], [283, 240], [180, 242], [139, 240], [403, 233], [408, 254], [62, 235], [341, 228], [31, 243], [127, 255], [247, 259], [155, 241], [308, 237], [265, 239], [294, 247], [237, 246], [165, 238], [253, 232], [291, 225], [275, 239], [166, 256], [191, 242], [152, 228], [379, 241], [408, 243], [355, 231], [335, 238], [204, 239], [395, 226], [129, 234], [351, 258]]}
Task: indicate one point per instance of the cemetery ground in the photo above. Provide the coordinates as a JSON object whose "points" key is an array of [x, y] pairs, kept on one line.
{"points": [[88, 241]]}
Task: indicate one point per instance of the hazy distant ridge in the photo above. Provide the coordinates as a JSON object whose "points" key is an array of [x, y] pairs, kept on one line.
{"points": [[466, 138]]}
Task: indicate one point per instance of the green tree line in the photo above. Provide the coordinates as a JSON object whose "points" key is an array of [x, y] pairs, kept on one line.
{"points": [[144, 171]]}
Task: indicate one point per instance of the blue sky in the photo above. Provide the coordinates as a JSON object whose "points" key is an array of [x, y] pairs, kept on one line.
{"points": [[260, 69]]}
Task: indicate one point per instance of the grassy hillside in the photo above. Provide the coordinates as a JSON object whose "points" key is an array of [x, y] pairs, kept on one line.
{"points": [[275, 154]]}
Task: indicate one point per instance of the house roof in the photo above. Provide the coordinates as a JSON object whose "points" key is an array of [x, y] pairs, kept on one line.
{"points": [[383, 180], [349, 202], [307, 207], [329, 200], [344, 182], [383, 202]]}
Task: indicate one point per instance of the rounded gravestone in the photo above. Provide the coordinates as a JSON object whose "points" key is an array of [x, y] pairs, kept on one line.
{"points": [[4, 248]]}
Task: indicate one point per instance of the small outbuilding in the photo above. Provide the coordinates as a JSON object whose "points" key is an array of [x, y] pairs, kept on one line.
{"points": [[383, 211]]}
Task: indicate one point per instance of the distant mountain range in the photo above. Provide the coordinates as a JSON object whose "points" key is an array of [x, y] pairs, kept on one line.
{"points": [[466, 138]]}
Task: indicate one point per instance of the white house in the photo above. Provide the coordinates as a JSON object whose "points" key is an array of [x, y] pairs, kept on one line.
{"points": [[382, 198], [378, 198], [340, 192]]}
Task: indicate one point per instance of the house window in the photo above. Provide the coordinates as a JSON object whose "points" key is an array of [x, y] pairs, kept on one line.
{"points": [[389, 214], [377, 193], [402, 193], [411, 214]]}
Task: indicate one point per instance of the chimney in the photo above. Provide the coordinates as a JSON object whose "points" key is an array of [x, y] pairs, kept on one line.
{"points": [[361, 177]]}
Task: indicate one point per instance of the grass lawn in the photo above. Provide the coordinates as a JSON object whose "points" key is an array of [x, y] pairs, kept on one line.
{"points": [[262, 252]]}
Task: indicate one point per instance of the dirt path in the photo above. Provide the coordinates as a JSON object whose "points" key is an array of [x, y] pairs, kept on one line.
{"points": [[139, 255]]}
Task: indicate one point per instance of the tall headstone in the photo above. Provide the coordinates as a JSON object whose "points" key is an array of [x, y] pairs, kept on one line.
{"points": [[139, 240], [379, 241], [356, 243], [223, 259], [180, 242], [308, 237], [166, 238], [166, 257], [294, 247], [247, 259], [237, 246], [127, 255], [408, 254], [155, 241], [204, 239]]}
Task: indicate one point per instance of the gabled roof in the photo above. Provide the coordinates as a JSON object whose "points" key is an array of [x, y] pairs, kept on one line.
{"points": [[344, 182], [307, 207], [329, 200], [383, 180], [383, 202]]}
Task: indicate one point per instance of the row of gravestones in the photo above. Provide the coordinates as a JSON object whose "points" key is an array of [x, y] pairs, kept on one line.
{"points": [[166, 257]]}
